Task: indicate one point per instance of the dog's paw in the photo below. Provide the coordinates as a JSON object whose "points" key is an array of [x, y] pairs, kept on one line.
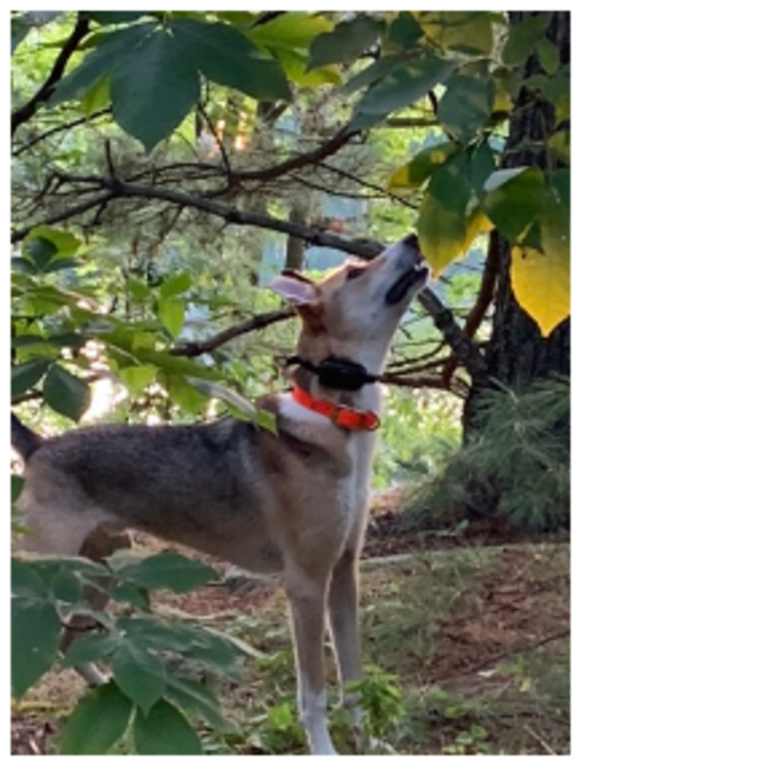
{"points": [[375, 746]]}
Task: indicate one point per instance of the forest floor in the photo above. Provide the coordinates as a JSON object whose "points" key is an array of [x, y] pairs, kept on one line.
{"points": [[471, 628]]}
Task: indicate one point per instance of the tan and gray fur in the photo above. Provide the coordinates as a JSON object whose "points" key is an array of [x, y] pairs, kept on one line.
{"points": [[295, 501]]}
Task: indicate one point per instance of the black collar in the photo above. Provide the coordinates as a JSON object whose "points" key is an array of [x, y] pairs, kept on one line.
{"points": [[337, 373]]}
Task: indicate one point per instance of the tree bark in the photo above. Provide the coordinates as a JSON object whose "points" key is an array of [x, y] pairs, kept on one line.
{"points": [[517, 354]]}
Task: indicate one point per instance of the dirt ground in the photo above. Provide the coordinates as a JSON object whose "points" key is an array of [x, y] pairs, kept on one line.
{"points": [[520, 605]]}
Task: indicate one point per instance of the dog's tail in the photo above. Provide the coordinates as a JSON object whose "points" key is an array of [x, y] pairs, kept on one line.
{"points": [[24, 440]]}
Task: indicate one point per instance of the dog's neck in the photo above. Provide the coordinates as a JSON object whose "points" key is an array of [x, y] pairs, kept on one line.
{"points": [[314, 350]]}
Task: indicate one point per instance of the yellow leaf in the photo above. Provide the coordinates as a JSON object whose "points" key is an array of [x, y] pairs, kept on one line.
{"points": [[540, 282], [441, 233], [478, 223]]}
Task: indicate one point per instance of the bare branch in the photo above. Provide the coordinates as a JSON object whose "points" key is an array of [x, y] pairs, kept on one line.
{"points": [[483, 301], [366, 184], [64, 215], [340, 139], [59, 129], [266, 17], [26, 112], [257, 322]]}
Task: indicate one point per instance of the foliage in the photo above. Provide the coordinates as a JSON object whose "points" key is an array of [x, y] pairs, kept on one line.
{"points": [[518, 466], [153, 660]]}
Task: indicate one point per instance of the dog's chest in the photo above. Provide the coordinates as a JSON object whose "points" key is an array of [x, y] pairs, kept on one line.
{"points": [[353, 490]]}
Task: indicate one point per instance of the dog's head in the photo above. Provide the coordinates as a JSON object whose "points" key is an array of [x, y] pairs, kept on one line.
{"points": [[353, 312]]}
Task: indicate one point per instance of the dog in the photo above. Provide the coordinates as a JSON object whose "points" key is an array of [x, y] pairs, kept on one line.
{"points": [[295, 501]]}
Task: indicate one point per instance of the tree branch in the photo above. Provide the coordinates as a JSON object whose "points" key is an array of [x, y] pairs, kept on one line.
{"points": [[59, 129], [101, 199], [465, 350], [26, 112], [340, 139], [257, 322], [483, 300]]}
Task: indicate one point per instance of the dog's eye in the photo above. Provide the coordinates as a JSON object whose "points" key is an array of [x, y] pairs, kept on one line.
{"points": [[354, 272]]}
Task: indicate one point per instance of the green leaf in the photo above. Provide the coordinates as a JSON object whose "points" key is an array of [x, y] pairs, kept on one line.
{"points": [[522, 38], [442, 220], [40, 251], [514, 199], [65, 393], [481, 168], [137, 377], [139, 674], [130, 594], [172, 312], [291, 31], [196, 698], [96, 97], [112, 48], [173, 365], [36, 631], [465, 31], [548, 54], [225, 55], [25, 376], [407, 82], [294, 65], [154, 89], [214, 651], [97, 723], [183, 393], [166, 570], [164, 731], [419, 169], [90, 649], [115, 17], [176, 285], [403, 33], [242, 407], [66, 243], [372, 74], [345, 43], [466, 106]]}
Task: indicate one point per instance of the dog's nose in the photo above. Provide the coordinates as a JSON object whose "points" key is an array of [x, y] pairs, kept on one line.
{"points": [[411, 240]]}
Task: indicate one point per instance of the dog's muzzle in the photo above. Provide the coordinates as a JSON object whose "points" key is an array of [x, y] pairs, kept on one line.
{"points": [[415, 276]]}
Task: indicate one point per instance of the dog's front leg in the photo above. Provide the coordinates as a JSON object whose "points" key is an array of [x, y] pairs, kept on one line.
{"points": [[307, 595]]}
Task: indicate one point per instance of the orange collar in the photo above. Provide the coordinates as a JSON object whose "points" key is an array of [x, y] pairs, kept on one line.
{"points": [[343, 417]]}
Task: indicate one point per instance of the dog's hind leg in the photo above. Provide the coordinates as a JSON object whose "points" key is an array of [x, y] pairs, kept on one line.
{"points": [[59, 531], [343, 608], [97, 546], [307, 594]]}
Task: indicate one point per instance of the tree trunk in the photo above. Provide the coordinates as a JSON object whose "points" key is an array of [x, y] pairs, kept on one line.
{"points": [[517, 354], [295, 246]]}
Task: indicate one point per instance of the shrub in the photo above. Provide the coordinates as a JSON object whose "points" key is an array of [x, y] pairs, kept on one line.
{"points": [[516, 468]]}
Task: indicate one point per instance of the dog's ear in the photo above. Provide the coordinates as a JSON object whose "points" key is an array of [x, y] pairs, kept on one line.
{"points": [[294, 288]]}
